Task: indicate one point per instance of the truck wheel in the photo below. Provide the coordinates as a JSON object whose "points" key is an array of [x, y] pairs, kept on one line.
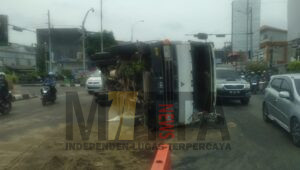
{"points": [[245, 101], [295, 131]]}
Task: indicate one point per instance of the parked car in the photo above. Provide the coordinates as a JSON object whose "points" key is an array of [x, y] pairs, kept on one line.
{"points": [[282, 103], [95, 84], [230, 85]]}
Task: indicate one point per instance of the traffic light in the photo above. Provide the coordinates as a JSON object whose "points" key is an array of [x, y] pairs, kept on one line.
{"points": [[201, 36], [3, 30]]}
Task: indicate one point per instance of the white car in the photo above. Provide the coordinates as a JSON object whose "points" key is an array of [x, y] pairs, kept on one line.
{"points": [[94, 84]]}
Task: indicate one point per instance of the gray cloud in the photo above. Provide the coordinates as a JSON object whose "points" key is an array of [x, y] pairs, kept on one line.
{"points": [[170, 19]]}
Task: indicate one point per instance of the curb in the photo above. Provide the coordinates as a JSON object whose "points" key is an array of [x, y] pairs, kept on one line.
{"points": [[31, 85], [18, 97], [70, 85], [60, 85]]}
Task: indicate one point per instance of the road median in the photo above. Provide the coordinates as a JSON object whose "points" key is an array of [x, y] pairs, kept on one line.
{"points": [[18, 97]]}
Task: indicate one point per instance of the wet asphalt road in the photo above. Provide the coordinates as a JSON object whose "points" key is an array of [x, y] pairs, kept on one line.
{"points": [[254, 143], [29, 123]]}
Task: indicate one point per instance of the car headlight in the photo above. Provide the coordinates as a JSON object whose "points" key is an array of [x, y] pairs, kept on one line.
{"points": [[247, 86], [220, 86]]}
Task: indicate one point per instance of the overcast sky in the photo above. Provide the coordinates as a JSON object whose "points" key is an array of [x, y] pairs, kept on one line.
{"points": [[170, 19]]}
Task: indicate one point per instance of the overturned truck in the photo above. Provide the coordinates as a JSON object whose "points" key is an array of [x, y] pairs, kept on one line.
{"points": [[179, 76]]}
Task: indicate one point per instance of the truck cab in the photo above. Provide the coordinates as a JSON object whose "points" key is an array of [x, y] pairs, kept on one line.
{"points": [[177, 74]]}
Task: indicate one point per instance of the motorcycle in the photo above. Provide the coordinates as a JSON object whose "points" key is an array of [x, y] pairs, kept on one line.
{"points": [[254, 86], [5, 104], [47, 95]]}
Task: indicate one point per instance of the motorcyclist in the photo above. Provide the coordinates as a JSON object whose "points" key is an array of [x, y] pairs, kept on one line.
{"points": [[50, 82], [254, 82], [3, 86]]}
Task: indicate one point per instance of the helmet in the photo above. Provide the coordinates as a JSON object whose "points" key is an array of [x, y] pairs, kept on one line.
{"points": [[2, 74], [51, 74]]}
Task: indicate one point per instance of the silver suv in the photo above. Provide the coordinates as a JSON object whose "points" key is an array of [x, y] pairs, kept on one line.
{"points": [[282, 103], [230, 86]]}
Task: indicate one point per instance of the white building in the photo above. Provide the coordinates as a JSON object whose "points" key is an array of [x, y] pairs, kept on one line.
{"points": [[293, 20], [274, 47], [294, 29], [242, 39], [18, 57], [268, 33]]}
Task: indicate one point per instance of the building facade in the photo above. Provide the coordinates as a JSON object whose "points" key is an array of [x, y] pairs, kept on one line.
{"points": [[18, 58], [246, 27], [294, 29], [66, 47], [268, 33], [274, 47]]}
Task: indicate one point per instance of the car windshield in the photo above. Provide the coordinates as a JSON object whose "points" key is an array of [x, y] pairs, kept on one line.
{"points": [[227, 74], [297, 84]]}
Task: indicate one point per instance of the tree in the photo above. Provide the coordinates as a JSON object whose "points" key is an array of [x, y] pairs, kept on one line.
{"points": [[256, 66], [41, 56], [294, 67], [94, 42]]}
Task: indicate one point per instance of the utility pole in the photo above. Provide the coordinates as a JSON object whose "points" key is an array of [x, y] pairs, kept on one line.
{"points": [[101, 22], [83, 49], [251, 33], [271, 57], [247, 20], [232, 21], [49, 43]]}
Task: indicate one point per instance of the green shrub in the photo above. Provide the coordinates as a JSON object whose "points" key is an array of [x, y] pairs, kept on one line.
{"points": [[13, 78], [31, 77], [294, 67], [256, 66]]}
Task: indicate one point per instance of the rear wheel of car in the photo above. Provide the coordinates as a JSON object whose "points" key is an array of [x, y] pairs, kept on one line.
{"points": [[295, 131], [245, 101], [265, 113]]}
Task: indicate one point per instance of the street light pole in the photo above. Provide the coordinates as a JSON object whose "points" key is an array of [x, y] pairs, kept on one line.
{"points": [[132, 28], [101, 23], [251, 33], [83, 39], [49, 43], [247, 39]]}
